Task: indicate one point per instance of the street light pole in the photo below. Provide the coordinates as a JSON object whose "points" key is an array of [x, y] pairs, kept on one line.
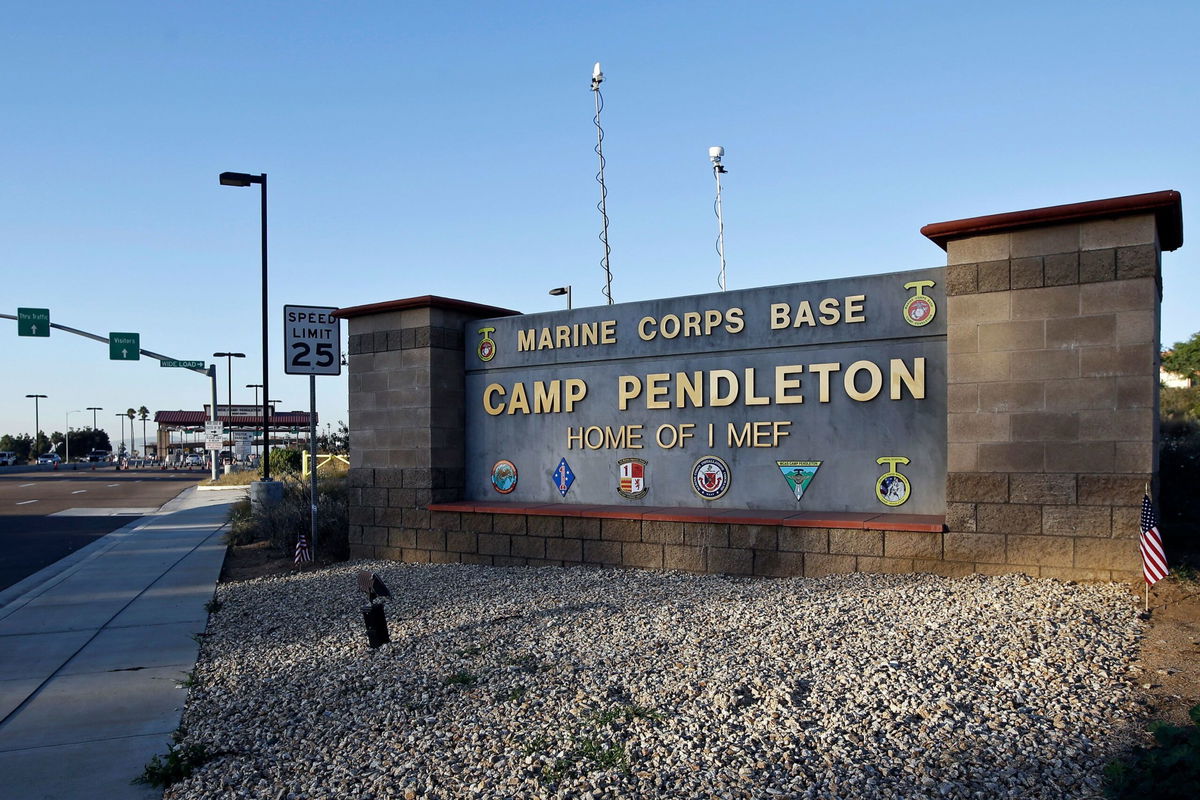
{"points": [[67, 436], [94, 409], [122, 416], [256, 387], [37, 425], [560, 291], [245, 179], [229, 357]]}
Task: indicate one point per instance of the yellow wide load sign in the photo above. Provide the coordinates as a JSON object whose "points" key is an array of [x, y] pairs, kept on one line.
{"points": [[783, 397]]}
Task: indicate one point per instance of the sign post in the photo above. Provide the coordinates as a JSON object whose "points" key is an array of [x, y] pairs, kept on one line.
{"points": [[33, 322], [312, 346]]}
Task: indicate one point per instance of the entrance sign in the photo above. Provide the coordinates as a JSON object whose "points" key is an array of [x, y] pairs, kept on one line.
{"points": [[702, 401], [241, 443], [33, 322], [124, 346], [312, 341]]}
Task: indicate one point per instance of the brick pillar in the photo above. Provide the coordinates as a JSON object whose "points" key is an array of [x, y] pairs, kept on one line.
{"points": [[1053, 339], [406, 390]]}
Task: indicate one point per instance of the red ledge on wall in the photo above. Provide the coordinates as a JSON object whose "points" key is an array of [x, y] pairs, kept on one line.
{"points": [[426, 301], [931, 523], [1166, 206]]}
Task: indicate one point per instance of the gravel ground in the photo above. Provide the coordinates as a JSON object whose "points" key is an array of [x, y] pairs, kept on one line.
{"points": [[584, 683]]}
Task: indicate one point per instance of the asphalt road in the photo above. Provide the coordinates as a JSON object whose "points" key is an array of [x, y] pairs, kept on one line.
{"points": [[34, 531]]}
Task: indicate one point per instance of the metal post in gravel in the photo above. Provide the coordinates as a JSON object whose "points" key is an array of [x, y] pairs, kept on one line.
{"points": [[312, 456]]}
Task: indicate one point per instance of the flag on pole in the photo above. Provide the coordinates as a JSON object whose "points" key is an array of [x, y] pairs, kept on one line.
{"points": [[302, 552], [1154, 560]]}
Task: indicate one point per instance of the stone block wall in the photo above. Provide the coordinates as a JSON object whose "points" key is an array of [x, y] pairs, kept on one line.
{"points": [[1053, 340]]}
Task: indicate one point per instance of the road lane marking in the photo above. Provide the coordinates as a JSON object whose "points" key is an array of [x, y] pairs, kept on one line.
{"points": [[114, 484], [79, 491], [26, 502], [23, 485]]}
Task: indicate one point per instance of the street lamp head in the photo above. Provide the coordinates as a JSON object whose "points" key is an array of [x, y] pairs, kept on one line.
{"points": [[239, 179], [229, 355], [253, 385], [560, 291], [95, 408], [36, 395]]}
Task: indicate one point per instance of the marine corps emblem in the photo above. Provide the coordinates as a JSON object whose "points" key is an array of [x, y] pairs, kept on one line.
{"points": [[487, 345], [919, 309], [504, 476]]}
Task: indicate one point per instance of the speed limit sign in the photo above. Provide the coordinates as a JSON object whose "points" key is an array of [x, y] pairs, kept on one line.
{"points": [[312, 341]]}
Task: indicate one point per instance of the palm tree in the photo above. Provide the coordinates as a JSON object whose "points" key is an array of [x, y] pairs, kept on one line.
{"points": [[131, 414], [143, 415]]}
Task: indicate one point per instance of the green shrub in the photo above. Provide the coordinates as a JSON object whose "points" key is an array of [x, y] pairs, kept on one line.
{"points": [[178, 764], [1169, 770], [286, 461], [282, 523], [1179, 511]]}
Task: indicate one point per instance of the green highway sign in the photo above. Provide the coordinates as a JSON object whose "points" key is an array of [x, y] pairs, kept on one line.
{"points": [[33, 322], [124, 346], [166, 362]]}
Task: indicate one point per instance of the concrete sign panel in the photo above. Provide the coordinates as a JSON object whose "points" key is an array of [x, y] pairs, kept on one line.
{"points": [[312, 341], [823, 396]]}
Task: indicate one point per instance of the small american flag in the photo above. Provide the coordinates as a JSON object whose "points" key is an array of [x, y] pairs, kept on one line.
{"points": [[1154, 560], [302, 551]]}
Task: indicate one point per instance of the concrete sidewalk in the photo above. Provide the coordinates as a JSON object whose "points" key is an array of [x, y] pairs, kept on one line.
{"points": [[93, 650]]}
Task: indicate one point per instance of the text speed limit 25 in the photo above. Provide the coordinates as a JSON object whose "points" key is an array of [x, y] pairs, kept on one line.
{"points": [[312, 341]]}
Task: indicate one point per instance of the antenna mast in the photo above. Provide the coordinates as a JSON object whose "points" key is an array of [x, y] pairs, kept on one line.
{"points": [[602, 206], [715, 154]]}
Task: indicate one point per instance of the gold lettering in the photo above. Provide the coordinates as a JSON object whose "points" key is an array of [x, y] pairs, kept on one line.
{"points": [[519, 401], [546, 397], [692, 386], [572, 437], [628, 388], [562, 336], [668, 326], [715, 398], [823, 371], [854, 308], [804, 313], [712, 318], [849, 380], [751, 398], [493, 388], [587, 437], [608, 331], [642, 334], [783, 383], [736, 438], [733, 320], [691, 323], [576, 391], [915, 381], [589, 334], [525, 340], [545, 341], [830, 314], [655, 389], [780, 316]]}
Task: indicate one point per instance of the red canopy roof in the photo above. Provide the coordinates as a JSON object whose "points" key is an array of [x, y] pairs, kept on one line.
{"points": [[279, 419]]}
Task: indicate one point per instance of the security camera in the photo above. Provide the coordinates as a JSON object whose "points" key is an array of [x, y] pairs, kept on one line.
{"points": [[715, 153], [597, 77]]}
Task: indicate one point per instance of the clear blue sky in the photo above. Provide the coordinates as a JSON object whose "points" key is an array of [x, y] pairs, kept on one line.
{"points": [[446, 148]]}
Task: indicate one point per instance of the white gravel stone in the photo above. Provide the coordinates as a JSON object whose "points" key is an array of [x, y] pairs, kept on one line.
{"points": [[577, 683]]}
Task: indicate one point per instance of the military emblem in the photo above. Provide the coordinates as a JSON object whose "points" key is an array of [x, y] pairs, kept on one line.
{"points": [[631, 483], [798, 474], [563, 477], [504, 476], [892, 488], [710, 477], [487, 345], [919, 309]]}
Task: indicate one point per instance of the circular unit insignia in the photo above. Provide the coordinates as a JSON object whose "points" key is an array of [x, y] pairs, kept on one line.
{"points": [[919, 310], [487, 345], [710, 477], [892, 488], [504, 476]]}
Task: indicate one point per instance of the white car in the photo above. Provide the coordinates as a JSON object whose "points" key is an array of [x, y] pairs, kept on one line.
{"points": [[50, 458], [7, 458], [193, 460]]}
